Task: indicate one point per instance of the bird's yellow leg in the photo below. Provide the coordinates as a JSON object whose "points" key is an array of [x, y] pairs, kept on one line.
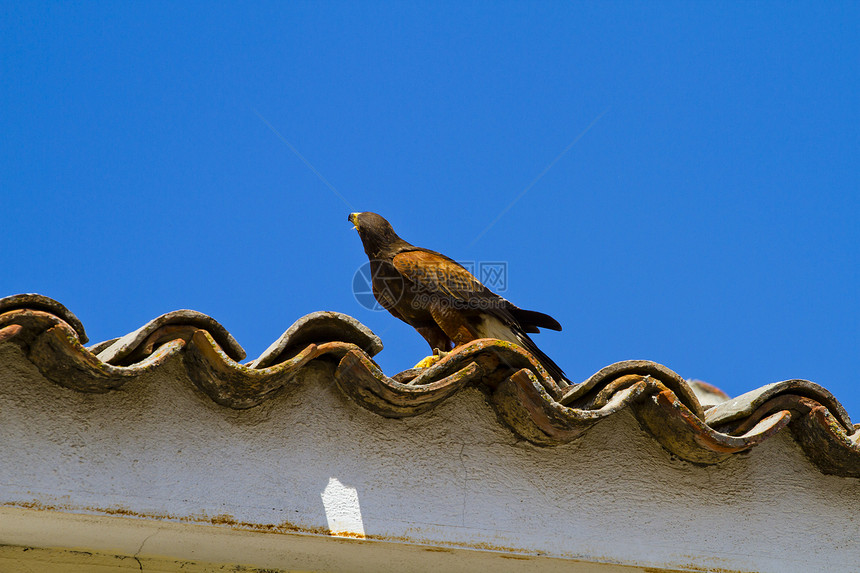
{"points": [[432, 359]]}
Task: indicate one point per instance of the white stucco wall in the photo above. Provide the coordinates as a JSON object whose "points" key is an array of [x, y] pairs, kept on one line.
{"points": [[310, 460]]}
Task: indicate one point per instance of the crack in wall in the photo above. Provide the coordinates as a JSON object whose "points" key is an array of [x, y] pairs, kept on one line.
{"points": [[139, 549]]}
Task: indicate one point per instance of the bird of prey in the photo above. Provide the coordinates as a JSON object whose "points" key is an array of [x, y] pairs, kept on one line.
{"points": [[440, 299]]}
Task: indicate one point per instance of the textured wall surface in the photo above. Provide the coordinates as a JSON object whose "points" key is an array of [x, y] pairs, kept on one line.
{"points": [[310, 460]]}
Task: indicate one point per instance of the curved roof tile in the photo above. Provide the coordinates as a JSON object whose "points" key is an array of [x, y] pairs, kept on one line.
{"points": [[527, 400]]}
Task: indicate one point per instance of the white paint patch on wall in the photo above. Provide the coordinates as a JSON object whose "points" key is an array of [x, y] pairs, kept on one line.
{"points": [[342, 510]]}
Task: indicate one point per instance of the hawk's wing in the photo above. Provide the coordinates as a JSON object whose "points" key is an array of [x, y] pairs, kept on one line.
{"points": [[435, 274]]}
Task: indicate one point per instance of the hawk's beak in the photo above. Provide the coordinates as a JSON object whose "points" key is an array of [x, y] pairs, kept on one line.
{"points": [[353, 218]]}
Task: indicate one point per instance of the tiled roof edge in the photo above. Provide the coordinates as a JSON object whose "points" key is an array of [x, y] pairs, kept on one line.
{"points": [[528, 401]]}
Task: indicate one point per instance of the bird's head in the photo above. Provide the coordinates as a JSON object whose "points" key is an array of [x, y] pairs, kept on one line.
{"points": [[375, 232]]}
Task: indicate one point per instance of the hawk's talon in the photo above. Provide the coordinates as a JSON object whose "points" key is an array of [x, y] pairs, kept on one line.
{"points": [[432, 359]]}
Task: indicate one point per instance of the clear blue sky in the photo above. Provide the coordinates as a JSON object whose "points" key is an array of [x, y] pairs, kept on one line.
{"points": [[707, 218]]}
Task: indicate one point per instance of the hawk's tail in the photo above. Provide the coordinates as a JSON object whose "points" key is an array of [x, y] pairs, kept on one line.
{"points": [[551, 367], [530, 320]]}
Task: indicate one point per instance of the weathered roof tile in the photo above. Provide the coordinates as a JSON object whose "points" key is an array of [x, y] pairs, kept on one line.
{"points": [[318, 327], [170, 326], [527, 400]]}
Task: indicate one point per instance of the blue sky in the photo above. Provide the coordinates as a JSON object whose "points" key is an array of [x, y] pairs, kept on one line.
{"points": [[704, 215]]}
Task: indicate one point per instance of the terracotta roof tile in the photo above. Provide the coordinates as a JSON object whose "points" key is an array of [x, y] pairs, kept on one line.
{"points": [[692, 420]]}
